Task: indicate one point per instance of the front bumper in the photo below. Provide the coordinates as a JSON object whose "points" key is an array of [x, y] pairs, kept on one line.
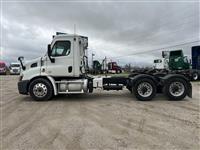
{"points": [[23, 87], [15, 72], [2, 71]]}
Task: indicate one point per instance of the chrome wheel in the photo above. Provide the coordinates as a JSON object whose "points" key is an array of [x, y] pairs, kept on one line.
{"points": [[145, 89], [176, 89], [40, 90]]}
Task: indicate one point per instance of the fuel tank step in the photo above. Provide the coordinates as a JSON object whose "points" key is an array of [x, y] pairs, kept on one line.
{"points": [[112, 87]]}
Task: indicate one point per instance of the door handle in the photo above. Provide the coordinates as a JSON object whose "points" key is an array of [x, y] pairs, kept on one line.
{"points": [[70, 69]]}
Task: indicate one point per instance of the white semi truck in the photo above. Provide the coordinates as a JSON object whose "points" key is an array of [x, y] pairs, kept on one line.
{"points": [[15, 68], [160, 64], [63, 71]]}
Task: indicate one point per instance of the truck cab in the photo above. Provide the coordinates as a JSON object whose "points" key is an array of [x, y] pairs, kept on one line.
{"points": [[177, 61], [114, 68], [96, 67], [15, 68], [65, 57], [64, 64], [160, 64], [3, 67]]}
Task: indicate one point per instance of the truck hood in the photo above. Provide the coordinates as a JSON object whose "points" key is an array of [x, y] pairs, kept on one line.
{"points": [[29, 62], [15, 68]]}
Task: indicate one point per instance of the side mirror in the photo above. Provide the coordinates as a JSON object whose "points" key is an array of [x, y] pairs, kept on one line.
{"points": [[49, 53], [190, 61], [20, 59], [185, 59]]}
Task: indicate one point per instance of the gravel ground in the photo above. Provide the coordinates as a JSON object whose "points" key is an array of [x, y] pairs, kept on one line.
{"points": [[102, 120]]}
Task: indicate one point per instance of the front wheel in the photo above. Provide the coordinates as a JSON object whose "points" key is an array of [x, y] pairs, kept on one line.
{"points": [[145, 89], [40, 89], [176, 89]]}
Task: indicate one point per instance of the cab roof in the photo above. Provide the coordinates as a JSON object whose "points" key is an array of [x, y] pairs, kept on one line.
{"points": [[59, 34], [15, 63]]}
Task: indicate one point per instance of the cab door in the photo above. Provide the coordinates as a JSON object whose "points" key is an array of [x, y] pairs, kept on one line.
{"points": [[62, 52]]}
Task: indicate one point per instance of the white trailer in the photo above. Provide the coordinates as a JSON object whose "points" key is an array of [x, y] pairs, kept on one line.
{"points": [[63, 71]]}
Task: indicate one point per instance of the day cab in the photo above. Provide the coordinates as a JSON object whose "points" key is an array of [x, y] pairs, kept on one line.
{"points": [[63, 70]]}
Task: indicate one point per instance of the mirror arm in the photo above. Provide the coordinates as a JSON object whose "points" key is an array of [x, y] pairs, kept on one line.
{"points": [[48, 53], [20, 60]]}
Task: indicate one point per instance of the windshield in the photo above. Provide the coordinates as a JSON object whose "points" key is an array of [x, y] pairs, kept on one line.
{"points": [[15, 65], [114, 64], [176, 53], [157, 61]]}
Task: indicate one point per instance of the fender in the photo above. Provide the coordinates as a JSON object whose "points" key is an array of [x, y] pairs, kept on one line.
{"points": [[141, 76], [168, 77], [51, 79]]}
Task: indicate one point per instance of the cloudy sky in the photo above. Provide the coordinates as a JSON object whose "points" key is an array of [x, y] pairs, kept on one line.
{"points": [[116, 29]]}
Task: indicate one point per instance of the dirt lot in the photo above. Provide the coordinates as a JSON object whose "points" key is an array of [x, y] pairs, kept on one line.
{"points": [[103, 120]]}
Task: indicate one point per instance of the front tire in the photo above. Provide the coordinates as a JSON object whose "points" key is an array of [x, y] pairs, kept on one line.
{"points": [[41, 89], [145, 89], [175, 89]]}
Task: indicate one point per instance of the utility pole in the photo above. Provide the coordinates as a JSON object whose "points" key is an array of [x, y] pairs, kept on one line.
{"points": [[129, 67]]}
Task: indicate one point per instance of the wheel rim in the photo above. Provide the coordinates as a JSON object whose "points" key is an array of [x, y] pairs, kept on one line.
{"points": [[176, 89], [40, 90], [145, 89], [195, 76]]}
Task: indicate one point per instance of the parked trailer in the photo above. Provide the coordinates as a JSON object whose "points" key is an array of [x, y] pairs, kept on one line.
{"points": [[195, 62], [63, 71]]}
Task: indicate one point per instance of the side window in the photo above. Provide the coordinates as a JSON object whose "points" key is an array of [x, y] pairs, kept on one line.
{"points": [[61, 48]]}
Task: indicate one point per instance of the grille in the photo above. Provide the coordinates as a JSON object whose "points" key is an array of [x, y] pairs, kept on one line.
{"points": [[15, 70]]}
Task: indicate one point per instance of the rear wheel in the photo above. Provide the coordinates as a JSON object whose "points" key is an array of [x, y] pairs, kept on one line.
{"points": [[145, 89], [175, 89], [40, 89]]}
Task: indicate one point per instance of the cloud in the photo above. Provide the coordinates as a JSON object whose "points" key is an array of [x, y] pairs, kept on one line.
{"points": [[114, 29]]}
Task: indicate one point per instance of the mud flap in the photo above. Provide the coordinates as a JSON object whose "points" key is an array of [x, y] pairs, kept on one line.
{"points": [[189, 93]]}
